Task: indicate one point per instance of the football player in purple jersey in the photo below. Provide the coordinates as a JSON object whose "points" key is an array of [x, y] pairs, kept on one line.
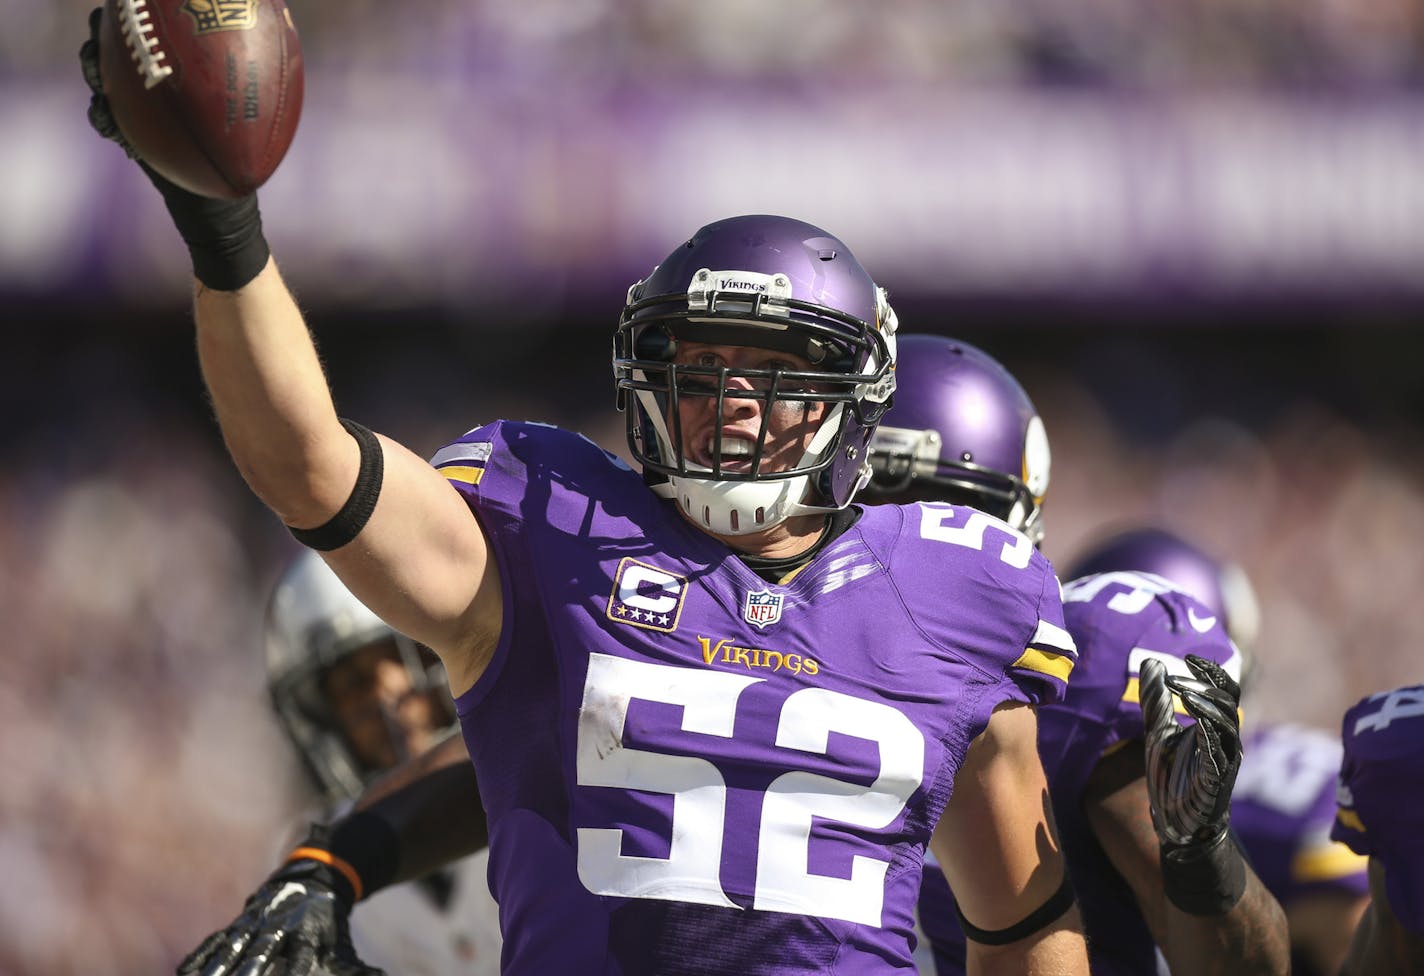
{"points": [[717, 713], [1283, 804], [1380, 816], [1144, 828]]}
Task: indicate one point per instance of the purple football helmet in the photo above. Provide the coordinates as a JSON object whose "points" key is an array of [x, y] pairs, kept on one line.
{"points": [[770, 282], [1223, 587], [961, 430]]}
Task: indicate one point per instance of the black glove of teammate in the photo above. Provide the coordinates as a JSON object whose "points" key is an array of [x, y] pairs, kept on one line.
{"points": [[296, 924], [224, 237], [1190, 772]]}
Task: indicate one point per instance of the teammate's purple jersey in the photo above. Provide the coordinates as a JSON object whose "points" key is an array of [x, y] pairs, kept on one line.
{"points": [[1282, 809], [1117, 620], [1380, 794], [687, 769]]}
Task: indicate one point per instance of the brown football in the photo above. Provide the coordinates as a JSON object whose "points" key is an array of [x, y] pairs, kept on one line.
{"points": [[208, 92]]}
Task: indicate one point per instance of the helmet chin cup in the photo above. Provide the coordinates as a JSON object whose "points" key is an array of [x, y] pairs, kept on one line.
{"points": [[732, 508]]}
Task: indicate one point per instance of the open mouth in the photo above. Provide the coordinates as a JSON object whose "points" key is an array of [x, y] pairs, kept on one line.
{"points": [[736, 456]]}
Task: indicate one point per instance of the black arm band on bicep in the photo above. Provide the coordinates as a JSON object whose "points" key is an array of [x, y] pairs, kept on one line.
{"points": [[1206, 881], [344, 526], [1040, 918]]}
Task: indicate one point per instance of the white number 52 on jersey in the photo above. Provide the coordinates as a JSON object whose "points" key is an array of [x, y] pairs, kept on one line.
{"points": [[700, 816]]}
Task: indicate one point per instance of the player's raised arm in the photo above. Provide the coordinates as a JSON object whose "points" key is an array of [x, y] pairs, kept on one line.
{"points": [[998, 846], [392, 528], [389, 524]]}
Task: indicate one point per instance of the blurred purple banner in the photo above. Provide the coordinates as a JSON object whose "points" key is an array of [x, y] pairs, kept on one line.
{"points": [[401, 189]]}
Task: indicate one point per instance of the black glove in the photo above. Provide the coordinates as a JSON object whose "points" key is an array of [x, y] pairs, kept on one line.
{"points": [[296, 924], [100, 117], [224, 237], [1190, 772]]}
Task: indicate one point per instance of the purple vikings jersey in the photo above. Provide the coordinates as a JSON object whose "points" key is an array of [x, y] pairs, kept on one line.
{"points": [[688, 769], [1117, 620], [1282, 808], [1380, 792]]}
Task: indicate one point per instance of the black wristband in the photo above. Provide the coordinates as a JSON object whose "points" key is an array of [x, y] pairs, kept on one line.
{"points": [[1040, 918], [1204, 880], [224, 237], [346, 524], [369, 844]]}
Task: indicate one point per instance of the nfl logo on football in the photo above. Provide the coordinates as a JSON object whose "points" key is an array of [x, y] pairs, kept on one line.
{"points": [[762, 608]]}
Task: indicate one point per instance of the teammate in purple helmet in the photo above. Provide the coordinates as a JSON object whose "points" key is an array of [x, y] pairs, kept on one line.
{"points": [[1144, 829], [1222, 586], [1283, 804], [1380, 816]]}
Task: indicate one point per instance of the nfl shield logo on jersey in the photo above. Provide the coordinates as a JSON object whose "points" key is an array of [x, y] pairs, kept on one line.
{"points": [[762, 608]]}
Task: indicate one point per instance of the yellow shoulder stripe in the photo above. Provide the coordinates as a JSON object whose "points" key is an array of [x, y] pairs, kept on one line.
{"points": [[1045, 662], [463, 474]]}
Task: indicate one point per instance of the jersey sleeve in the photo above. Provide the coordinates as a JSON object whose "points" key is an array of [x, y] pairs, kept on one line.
{"points": [[1042, 671], [977, 586], [532, 472], [1381, 788], [481, 467], [1382, 774]]}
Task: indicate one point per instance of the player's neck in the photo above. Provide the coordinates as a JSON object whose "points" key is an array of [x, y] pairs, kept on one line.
{"points": [[787, 538]]}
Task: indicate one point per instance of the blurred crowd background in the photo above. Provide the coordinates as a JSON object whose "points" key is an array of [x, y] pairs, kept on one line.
{"points": [[1195, 232]]}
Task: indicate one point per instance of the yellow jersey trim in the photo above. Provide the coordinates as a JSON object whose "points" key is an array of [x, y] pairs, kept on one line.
{"points": [[463, 474], [1045, 662], [1334, 860], [1350, 819]]}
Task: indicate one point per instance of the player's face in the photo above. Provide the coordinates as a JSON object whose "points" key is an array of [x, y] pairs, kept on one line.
{"points": [[790, 425], [384, 718]]}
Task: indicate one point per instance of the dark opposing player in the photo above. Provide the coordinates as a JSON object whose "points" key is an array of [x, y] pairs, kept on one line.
{"points": [[357, 700], [1379, 816], [717, 713], [963, 430]]}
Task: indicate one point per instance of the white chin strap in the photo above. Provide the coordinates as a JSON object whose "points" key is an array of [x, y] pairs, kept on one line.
{"points": [[737, 507]]}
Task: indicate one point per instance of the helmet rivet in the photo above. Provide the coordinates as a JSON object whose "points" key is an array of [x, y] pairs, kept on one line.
{"points": [[966, 456], [852, 453], [702, 275], [780, 281]]}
